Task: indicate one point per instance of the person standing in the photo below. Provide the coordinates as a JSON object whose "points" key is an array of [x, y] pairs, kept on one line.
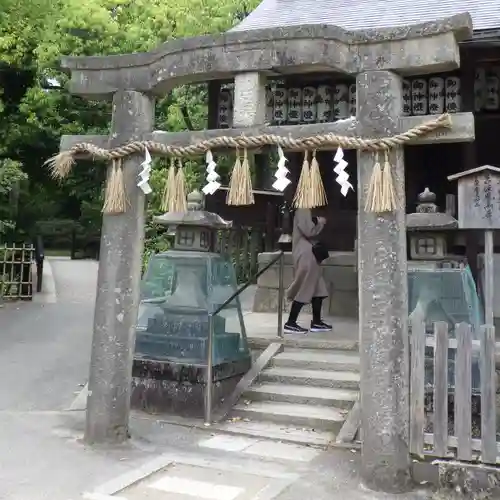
{"points": [[308, 285]]}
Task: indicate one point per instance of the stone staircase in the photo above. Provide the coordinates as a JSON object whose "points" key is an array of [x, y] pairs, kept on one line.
{"points": [[304, 395]]}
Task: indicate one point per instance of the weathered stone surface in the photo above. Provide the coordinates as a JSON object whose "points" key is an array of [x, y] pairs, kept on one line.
{"points": [[68, 141], [462, 131], [343, 304], [471, 481], [270, 279], [339, 271], [335, 259], [179, 389], [158, 396], [291, 49], [383, 298], [266, 300], [118, 285], [265, 257], [340, 278], [250, 99], [409, 56], [342, 127]]}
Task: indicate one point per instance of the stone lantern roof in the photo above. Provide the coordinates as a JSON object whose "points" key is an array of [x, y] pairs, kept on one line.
{"points": [[427, 217], [367, 14], [195, 216]]}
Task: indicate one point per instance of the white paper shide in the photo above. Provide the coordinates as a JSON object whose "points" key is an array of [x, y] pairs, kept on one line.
{"points": [[212, 176], [145, 174], [342, 175], [282, 181]]}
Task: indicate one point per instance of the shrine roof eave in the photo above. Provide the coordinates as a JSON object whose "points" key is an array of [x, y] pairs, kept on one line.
{"points": [[419, 48], [474, 171]]}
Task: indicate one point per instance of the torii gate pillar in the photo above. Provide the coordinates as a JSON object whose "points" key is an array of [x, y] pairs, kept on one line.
{"points": [[118, 284], [382, 263], [383, 298]]}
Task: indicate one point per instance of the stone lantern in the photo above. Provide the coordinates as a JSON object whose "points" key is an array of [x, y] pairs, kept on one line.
{"points": [[427, 228], [180, 289], [440, 285]]}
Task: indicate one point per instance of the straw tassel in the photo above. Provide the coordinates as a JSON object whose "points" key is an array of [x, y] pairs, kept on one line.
{"points": [[389, 199], [168, 200], [317, 194], [60, 165], [301, 198], [180, 196], [234, 181], [115, 200], [240, 186], [247, 197], [374, 195]]}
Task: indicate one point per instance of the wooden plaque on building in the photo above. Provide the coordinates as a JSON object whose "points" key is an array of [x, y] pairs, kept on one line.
{"points": [[478, 198]]}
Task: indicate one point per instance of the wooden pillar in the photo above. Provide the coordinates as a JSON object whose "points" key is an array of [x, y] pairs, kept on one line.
{"points": [[213, 104], [262, 171], [472, 237]]}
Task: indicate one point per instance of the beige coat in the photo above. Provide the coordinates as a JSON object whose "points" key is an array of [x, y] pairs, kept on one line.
{"points": [[308, 279]]}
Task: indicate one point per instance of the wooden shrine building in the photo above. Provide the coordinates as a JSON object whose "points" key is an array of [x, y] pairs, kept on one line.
{"points": [[320, 95]]}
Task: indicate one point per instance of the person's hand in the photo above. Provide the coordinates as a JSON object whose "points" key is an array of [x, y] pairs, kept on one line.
{"points": [[321, 220]]}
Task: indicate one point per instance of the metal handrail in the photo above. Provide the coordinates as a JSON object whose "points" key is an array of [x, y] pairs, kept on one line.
{"points": [[247, 284], [211, 315]]}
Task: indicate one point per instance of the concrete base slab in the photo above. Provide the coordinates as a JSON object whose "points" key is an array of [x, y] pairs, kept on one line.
{"points": [[100, 496], [184, 476], [261, 447], [262, 330], [186, 482], [227, 443], [278, 432], [282, 451]]}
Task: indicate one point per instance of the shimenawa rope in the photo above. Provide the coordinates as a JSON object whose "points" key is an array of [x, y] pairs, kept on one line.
{"points": [[61, 164]]}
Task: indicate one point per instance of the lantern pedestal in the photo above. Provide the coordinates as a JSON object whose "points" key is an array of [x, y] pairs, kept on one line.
{"points": [[180, 289]]}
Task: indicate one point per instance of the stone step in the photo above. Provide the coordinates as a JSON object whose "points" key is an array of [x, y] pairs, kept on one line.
{"points": [[301, 394], [314, 417], [277, 432], [318, 360], [312, 378], [301, 341]]}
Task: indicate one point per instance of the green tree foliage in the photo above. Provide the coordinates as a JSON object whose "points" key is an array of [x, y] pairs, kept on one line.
{"points": [[36, 108], [11, 177]]}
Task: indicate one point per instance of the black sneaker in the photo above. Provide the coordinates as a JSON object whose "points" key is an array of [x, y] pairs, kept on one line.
{"points": [[320, 326], [294, 328]]}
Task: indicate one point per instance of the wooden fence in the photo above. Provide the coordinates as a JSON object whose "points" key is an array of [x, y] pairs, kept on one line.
{"points": [[461, 419], [243, 244], [16, 277]]}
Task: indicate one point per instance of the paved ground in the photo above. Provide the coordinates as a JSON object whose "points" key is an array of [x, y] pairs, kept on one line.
{"points": [[223, 467], [44, 356]]}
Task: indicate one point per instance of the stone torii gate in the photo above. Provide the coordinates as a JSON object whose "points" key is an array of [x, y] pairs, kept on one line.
{"points": [[379, 59]]}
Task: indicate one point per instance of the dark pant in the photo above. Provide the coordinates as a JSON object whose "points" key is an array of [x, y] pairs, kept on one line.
{"points": [[296, 307]]}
